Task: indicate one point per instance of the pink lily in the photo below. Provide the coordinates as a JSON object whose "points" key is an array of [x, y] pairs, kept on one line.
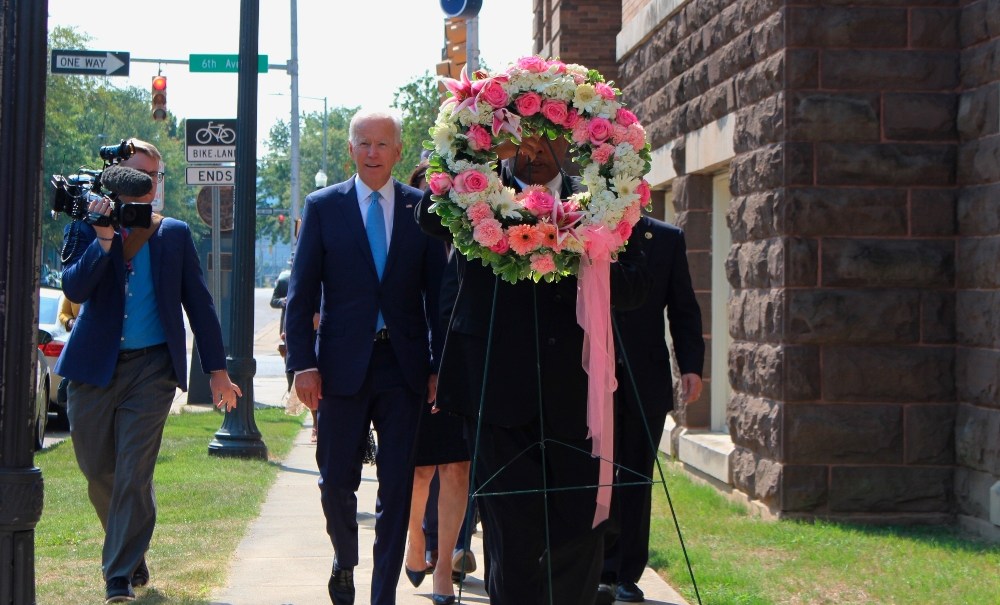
{"points": [[566, 216], [507, 120]]}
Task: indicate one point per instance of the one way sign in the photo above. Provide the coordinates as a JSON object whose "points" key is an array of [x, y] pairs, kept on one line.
{"points": [[90, 62]]}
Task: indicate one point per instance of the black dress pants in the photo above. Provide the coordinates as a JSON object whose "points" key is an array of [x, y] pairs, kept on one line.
{"points": [[537, 510]]}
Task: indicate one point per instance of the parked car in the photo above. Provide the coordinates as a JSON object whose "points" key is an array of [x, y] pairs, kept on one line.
{"points": [[41, 400], [49, 301]]}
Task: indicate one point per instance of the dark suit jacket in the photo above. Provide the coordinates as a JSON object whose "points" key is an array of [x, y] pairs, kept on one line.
{"points": [[333, 253], [642, 330], [512, 384], [97, 280]]}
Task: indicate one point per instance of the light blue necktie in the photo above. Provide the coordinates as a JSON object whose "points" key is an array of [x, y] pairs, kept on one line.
{"points": [[375, 227]]}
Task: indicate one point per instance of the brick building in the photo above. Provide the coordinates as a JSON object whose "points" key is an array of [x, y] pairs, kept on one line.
{"points": [[836, 168]]}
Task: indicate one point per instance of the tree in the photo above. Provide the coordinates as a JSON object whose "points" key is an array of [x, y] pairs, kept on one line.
{"points": [[419, 101], [83, 113]]}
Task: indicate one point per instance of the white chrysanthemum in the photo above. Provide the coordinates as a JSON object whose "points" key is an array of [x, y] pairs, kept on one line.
{"points": [[586, 99], [607, 109], [444, 135], [573, 245], [624, 184], [503, 202]]}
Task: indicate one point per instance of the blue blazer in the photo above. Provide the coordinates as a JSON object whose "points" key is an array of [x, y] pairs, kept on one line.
{"points": [[97, 280], [333, 253]]}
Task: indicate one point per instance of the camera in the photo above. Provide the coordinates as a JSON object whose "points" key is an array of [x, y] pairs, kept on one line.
{"points": [[75, 192]]}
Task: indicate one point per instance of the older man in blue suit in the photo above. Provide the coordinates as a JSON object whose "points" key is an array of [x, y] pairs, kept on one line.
{"points": [[372, 361], [125, 358]]}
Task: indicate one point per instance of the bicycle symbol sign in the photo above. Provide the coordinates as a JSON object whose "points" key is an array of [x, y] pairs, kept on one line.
{"points": [[211, 140]]}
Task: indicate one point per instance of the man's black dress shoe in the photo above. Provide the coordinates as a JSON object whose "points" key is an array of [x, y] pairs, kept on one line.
{"points": [[341, 586], [118, 590], [140, 577], [628, 592], [605, 594], [442, 599], [416, 577]]}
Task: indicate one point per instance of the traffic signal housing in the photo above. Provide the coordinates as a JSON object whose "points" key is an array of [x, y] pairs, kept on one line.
{"points": [[453, 57], [159, 90]]}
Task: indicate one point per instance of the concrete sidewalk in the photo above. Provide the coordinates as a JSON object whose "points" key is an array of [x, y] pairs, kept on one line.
{"points": [[286, 556]]}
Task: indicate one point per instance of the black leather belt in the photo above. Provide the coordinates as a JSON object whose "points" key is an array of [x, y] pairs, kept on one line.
{"points": [[127, 354], [382, 335]]}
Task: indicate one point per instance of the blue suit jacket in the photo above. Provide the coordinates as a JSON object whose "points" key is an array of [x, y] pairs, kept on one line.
{"points": [[97, 280], [333, 253]]}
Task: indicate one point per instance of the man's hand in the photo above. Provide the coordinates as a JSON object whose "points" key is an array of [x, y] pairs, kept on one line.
{"points": [[432, 388], [224, 392], [309, 388], [106, 233], [690, 388]]}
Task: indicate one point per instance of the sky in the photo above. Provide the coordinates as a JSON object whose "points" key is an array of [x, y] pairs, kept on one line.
{"points": [[346, 54]]}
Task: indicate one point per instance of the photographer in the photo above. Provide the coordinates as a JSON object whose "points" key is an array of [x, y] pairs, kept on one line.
{"points": [[127, 354]]}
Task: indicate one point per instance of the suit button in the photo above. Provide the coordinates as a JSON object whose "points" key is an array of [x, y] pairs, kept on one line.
{"points": [[552, 341], [558, 297]]}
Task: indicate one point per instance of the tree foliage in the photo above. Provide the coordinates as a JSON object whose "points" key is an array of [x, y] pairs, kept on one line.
{"points": [[418, 100], [83, 113]]}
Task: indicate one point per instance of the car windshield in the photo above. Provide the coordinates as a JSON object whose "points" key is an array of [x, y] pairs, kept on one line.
{"points": [[48, 310]]}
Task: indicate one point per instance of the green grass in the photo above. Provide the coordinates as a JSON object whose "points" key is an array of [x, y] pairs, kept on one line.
{"points": [[204, 506], [741, 559]]}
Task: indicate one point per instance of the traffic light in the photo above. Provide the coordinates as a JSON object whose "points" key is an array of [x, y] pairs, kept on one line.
{"points": [[453, 55], [159, 98]]}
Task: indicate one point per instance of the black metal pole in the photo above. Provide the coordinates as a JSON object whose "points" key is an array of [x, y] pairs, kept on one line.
{"points": [[239, 436], [22, 124]]}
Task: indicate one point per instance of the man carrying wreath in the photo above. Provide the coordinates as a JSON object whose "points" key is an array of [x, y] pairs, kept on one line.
{"points": [[512, 367]]}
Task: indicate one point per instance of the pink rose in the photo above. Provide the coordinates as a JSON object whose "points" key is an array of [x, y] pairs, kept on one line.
{"points": [[488, 232], [502, 245], [439, 182], [555, 111], [479, 211], [493, 94], [572, 119], [542, 263], [603, 153], [626, 117], [624, 229], [479, 138], [528, 104], [537, 200], [533, 64], [643, 190], [471, 181], [605, 91], [599, 130], [560, 67]]}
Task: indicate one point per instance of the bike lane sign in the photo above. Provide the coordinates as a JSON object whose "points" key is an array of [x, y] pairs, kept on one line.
{"points": [[211, 141]]}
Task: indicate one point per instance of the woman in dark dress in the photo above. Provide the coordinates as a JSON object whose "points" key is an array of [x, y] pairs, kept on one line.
{"points": [[441, 446]]}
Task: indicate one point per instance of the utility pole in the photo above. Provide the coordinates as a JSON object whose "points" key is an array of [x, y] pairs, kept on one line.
{"points": [[293, 71], [22, 120]]}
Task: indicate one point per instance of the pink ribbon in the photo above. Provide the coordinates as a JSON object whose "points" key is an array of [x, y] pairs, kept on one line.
{"points": [[593, 314]]}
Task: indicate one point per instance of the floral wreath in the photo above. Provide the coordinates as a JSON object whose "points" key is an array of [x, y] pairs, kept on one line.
{"points": [[531, 234]]}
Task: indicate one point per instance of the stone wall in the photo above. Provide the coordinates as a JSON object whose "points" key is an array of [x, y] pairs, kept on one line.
{"points": [[865, 222], [977, 359]]}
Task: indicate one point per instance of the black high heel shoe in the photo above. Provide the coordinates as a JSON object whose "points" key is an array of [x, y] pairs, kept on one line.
{"points": [[443, 599], [415, 577]]}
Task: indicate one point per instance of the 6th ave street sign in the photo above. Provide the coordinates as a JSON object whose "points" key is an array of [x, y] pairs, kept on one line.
{"points": [[222, 63], [90, 62]]}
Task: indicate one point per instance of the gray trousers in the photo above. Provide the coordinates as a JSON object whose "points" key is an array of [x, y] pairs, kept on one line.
{"points": [[116, 432]]}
